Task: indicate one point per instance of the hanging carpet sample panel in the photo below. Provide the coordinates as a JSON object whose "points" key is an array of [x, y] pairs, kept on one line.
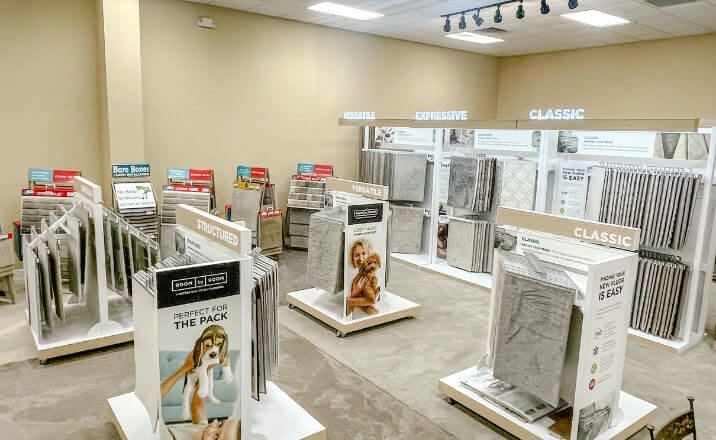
{"points": [[534, 316], [406, 229], [271, 233], [462, 185], [461, 243], [408, 176], [325, 250], [517, 186], [245, 206]]}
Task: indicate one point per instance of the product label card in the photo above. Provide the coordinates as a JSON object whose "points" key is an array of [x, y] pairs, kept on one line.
{"points": [[420, 137], [358, 214], [131, 170], [132, 195], [571, 190], [607, 143], [519, 140]]}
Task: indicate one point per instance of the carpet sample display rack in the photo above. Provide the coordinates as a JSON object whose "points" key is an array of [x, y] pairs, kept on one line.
{"points": [[134, 198], [93, 308], [348, 265], [213, 296], [557, 336], [307, 194], [190, 186], [254, 203]]}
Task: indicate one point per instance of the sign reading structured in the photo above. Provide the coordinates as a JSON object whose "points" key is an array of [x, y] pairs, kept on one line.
{"points": [[572, 190], [557, 113], [131, 170], [359, 115], [520, 140], [134, 195], [223, 232], [607, 143], [378, 192], [619, 237], [444, 115]]}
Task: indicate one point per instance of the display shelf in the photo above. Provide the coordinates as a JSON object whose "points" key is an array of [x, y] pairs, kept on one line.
{"points": [[633, 415], [440, 267], [674, 345], [132, 421], [67, 346], [329, 309]]}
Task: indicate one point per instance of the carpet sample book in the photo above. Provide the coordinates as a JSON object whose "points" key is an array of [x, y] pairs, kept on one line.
{"points": [[533, 326], [470, 244], [406, 229], [471, 183], [517, 185], [325, 250]]}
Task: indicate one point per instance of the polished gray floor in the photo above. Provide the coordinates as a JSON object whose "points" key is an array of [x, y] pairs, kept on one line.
{"points": [[380, 383]]}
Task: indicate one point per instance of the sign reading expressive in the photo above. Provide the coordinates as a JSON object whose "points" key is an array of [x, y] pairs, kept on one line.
{"points": [[444, 115]]}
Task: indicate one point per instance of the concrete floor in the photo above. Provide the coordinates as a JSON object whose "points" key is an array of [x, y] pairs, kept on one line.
{"points": [[380, 383]]}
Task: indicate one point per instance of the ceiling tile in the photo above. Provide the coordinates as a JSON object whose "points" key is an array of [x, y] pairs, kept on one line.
{"points": [[273, 8]]}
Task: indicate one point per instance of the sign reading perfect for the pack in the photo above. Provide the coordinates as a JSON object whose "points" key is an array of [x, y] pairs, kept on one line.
{"points": [[369, 190], [605, 234], [131, 170], [220, 231]]}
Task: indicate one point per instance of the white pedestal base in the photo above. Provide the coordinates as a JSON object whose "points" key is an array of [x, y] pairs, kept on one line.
{"points": [[635, 413], [329, 309], [276, 417]]}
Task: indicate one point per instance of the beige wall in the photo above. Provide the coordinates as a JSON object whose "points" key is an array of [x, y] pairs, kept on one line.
{"points": [[657, 79], [263, 91], [48, 93]]}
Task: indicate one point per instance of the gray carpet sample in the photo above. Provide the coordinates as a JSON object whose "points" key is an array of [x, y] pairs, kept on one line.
{"points": [[460, 243], [408, 177], [324, 268], [462, 184], [245, 206], [534, 315], [406, 229]]}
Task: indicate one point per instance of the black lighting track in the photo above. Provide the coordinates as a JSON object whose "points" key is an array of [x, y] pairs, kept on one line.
{"points": [[544, 9]]}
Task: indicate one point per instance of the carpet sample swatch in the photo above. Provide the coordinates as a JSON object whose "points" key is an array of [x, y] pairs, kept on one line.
{"points": [[406, 229], [324, 269], [245, 206], [517, 186], [407, 177]]}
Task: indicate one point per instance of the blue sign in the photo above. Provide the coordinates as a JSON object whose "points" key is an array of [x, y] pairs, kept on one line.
{"points": [[243, 171], [178, 173], [305, 168], [130, 170], [40, 175]]}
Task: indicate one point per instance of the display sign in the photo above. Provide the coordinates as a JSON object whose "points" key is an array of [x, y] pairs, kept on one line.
{"points": [[134, 195], [444, 115], [419, 137], [131, 170], [190, 174], [359, 115], [44, 175], [519, 140], [187, 188], [369, 190], [607, 143], [268, 213], [221, 231], [571, 190], [251, 172], [557, 113], [48, 192], [312, 168]]}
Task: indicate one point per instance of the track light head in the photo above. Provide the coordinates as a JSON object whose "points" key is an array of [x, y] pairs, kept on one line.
{"points": [[573, 4], [544, 7], [477, 18], [446, 28], [463, 23], [498, 15], [520, 11]]}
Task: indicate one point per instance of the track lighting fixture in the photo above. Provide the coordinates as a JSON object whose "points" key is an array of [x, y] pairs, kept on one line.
{"points": [[477, 18], [520, 11], [498, 15], [446, 28], [544, 7], [462, 24], [573, 4]]}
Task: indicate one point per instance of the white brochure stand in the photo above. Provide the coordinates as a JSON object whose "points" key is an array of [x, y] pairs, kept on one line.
{"points": [[330, 309], [98, 319], [137, 415], [594, 362]]}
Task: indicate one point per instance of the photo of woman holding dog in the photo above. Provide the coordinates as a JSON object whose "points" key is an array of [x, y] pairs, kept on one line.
{"points": [[365, 286]]}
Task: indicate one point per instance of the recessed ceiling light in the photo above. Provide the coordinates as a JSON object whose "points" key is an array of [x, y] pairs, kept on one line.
{"points": [[595, 18], [474, 38], [344, 11]]}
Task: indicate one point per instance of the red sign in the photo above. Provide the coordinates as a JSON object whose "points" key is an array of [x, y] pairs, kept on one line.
{"points": [[203, 175], [64, 176], [259, 173], [309, 177], [323, 170], [270, 213], [187, 188], [48, 192]]}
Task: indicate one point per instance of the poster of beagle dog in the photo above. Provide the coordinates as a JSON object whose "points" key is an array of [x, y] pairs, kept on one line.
{"points": [[199, 339]]}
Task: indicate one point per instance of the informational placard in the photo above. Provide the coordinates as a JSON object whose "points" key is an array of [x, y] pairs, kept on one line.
{"points": [[251, 172], [190, 174], [134, 195], [518, 140], [365, 258], [607, 143], [444, 183], [187, 188], [44, 175], [315, 169], [369, 190], [419, 137], [131, 170], [571, 190], [223, 232]]}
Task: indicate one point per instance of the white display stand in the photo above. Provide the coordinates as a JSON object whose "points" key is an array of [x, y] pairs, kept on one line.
{"points": [[138, 415], [329, 309], [634, 413], [102, 318]]}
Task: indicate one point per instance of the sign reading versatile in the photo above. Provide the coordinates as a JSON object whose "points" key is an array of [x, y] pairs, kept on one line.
{"points": [[131, 170], [369, 190], [359, 115]]}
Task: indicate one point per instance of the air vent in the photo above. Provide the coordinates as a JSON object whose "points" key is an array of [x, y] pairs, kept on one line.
{"points": [[492, 30], [667, 3]]}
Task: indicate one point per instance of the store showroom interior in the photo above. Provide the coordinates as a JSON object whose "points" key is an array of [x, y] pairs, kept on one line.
{"points": [[360, 219]]}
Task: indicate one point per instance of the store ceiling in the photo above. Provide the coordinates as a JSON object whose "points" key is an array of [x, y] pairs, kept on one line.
{"points": [[419, 20]]}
